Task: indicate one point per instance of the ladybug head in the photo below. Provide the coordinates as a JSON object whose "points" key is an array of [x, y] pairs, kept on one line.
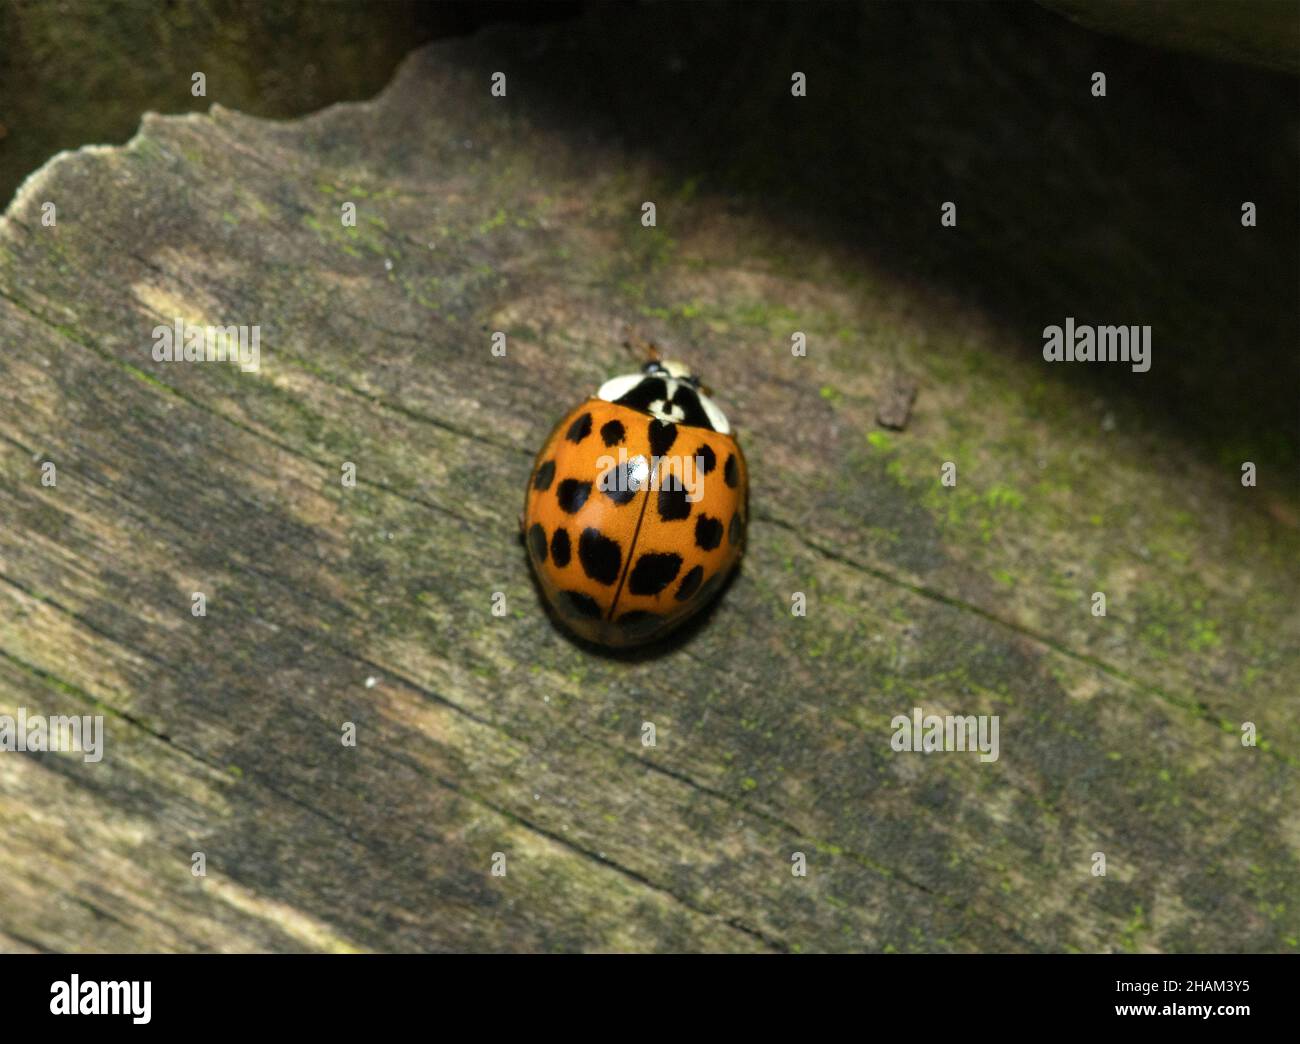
{"points": [[671, 368], [668, 390]]}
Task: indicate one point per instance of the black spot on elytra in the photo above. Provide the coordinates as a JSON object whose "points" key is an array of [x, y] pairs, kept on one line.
{"points": [[673, 505], [537, 541], [620, 496], [542, 480], [639, 622], [653, 571], [646, 391], [710, 587], [617, 483], [708, 459], [662, 436], [708, 532], [731, 471], [600, 556], [690, 583], [572, 494], [687, 401], [561, 552], [579, 429], [583, 604], [612, 432], [736, 531]]}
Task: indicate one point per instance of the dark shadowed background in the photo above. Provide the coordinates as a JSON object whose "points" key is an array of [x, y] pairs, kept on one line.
{"points": [[1061, 213]]}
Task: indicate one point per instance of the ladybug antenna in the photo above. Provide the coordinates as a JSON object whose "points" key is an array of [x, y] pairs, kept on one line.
{"points": [[645, 352]]}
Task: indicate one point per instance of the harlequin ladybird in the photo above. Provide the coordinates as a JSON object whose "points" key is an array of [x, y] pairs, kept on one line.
{"points": [[636, 507]]}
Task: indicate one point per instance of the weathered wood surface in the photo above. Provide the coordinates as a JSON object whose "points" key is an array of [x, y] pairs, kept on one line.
{"points": [[1257, 31], [480, 734]]}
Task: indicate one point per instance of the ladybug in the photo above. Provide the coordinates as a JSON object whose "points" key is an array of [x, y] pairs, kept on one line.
{"points": [[636, 507]]}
